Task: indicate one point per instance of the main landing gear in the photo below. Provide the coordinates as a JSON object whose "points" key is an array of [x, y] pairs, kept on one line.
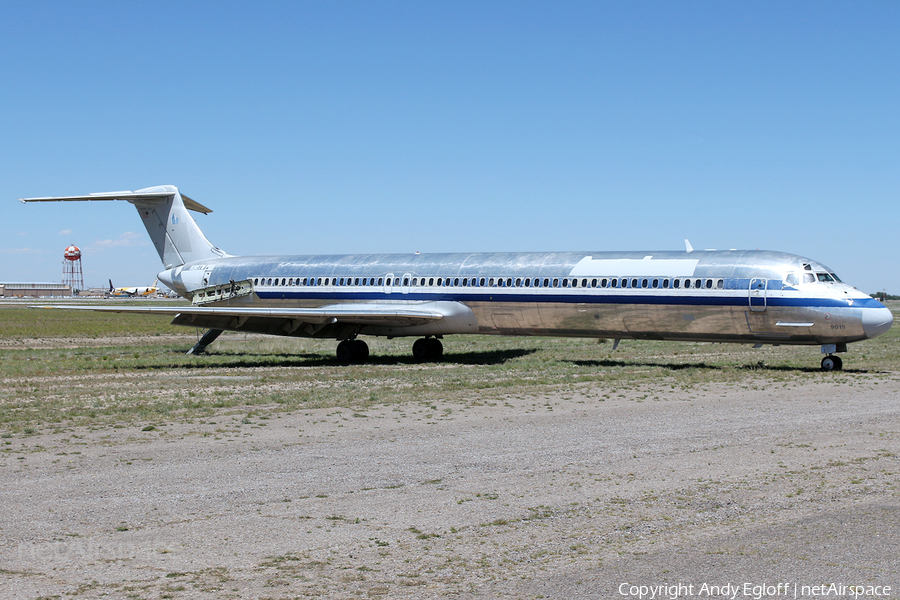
{"points": [[428, 349], [352, 351], [356, 351], [832, 363]]}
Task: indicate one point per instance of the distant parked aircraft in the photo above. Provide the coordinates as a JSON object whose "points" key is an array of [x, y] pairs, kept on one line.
{"points": [[738, 296], [131, 292]]}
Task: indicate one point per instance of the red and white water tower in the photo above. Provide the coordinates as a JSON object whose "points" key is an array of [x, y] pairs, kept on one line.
{"points": [[72, 275]]}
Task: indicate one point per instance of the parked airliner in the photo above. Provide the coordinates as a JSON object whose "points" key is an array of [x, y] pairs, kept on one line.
{"points": [[737, 296], [131, 292]]}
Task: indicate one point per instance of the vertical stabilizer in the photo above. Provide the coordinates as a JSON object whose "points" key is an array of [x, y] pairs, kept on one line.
{"points": [[175, 234]]}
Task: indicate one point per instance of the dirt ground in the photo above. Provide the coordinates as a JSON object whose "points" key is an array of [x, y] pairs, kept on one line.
{"points": [[543, 496]]}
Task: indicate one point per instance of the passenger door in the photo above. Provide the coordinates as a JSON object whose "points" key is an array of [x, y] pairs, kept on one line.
{"points": [[758, 295]]}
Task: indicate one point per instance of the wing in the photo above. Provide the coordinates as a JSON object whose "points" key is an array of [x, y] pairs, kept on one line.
{"points": [[402, 315]]}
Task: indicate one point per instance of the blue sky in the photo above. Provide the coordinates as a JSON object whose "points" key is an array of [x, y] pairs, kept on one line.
{"points": [[346, 127]]}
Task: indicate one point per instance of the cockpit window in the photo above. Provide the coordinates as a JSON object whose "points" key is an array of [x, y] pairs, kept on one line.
{"points": [[791, 279], [809, 278], [836, 278], [825, 277]]}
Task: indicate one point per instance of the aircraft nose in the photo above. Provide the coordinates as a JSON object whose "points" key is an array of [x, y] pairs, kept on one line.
{"points": [[876, 321]]}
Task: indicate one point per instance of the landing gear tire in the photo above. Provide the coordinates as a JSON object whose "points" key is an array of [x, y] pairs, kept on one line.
{"points": [[361, 351], [427, 349], [420, 349], [832, 363], [352, 352]]}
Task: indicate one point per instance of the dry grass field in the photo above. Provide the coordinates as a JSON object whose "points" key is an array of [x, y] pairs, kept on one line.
{"points": [[514, 467]]}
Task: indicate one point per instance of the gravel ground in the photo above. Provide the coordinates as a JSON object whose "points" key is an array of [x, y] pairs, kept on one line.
{"points": [[553, 496]]}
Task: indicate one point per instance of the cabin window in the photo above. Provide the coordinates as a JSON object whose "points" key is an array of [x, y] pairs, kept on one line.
{"points": [[405, 281], [720, 284], [456, 282], [665, 284], [380, 281], [527, 282], [603, 283], [644, 283], [440, 282], [709, 284], [655, 283], [518, 282], [255, 281], [698, 283], [565, 283]]}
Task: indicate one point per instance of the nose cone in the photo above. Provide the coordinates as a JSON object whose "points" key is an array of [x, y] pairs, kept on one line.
{"points": [[876, 321]]}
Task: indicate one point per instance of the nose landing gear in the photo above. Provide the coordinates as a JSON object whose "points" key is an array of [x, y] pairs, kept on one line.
{"points": [[832, 363]]}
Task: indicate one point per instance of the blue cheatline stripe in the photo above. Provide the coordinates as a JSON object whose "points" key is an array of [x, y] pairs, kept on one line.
{"points": [[649, 299]]}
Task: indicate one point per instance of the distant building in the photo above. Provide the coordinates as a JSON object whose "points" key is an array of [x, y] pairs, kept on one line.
{"points": [[34, 290]]}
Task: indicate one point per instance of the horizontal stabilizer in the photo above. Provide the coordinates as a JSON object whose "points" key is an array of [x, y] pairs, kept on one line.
{"points": [[145, 196]]}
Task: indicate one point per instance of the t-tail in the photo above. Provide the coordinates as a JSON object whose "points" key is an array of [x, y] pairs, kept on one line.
{"points": [[164, 211]]}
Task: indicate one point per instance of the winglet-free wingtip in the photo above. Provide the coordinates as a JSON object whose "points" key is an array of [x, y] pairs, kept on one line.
{"points": [[687, 246]]}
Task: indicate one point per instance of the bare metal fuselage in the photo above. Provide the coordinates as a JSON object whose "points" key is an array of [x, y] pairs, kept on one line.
{"points": [[720, 296]]}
